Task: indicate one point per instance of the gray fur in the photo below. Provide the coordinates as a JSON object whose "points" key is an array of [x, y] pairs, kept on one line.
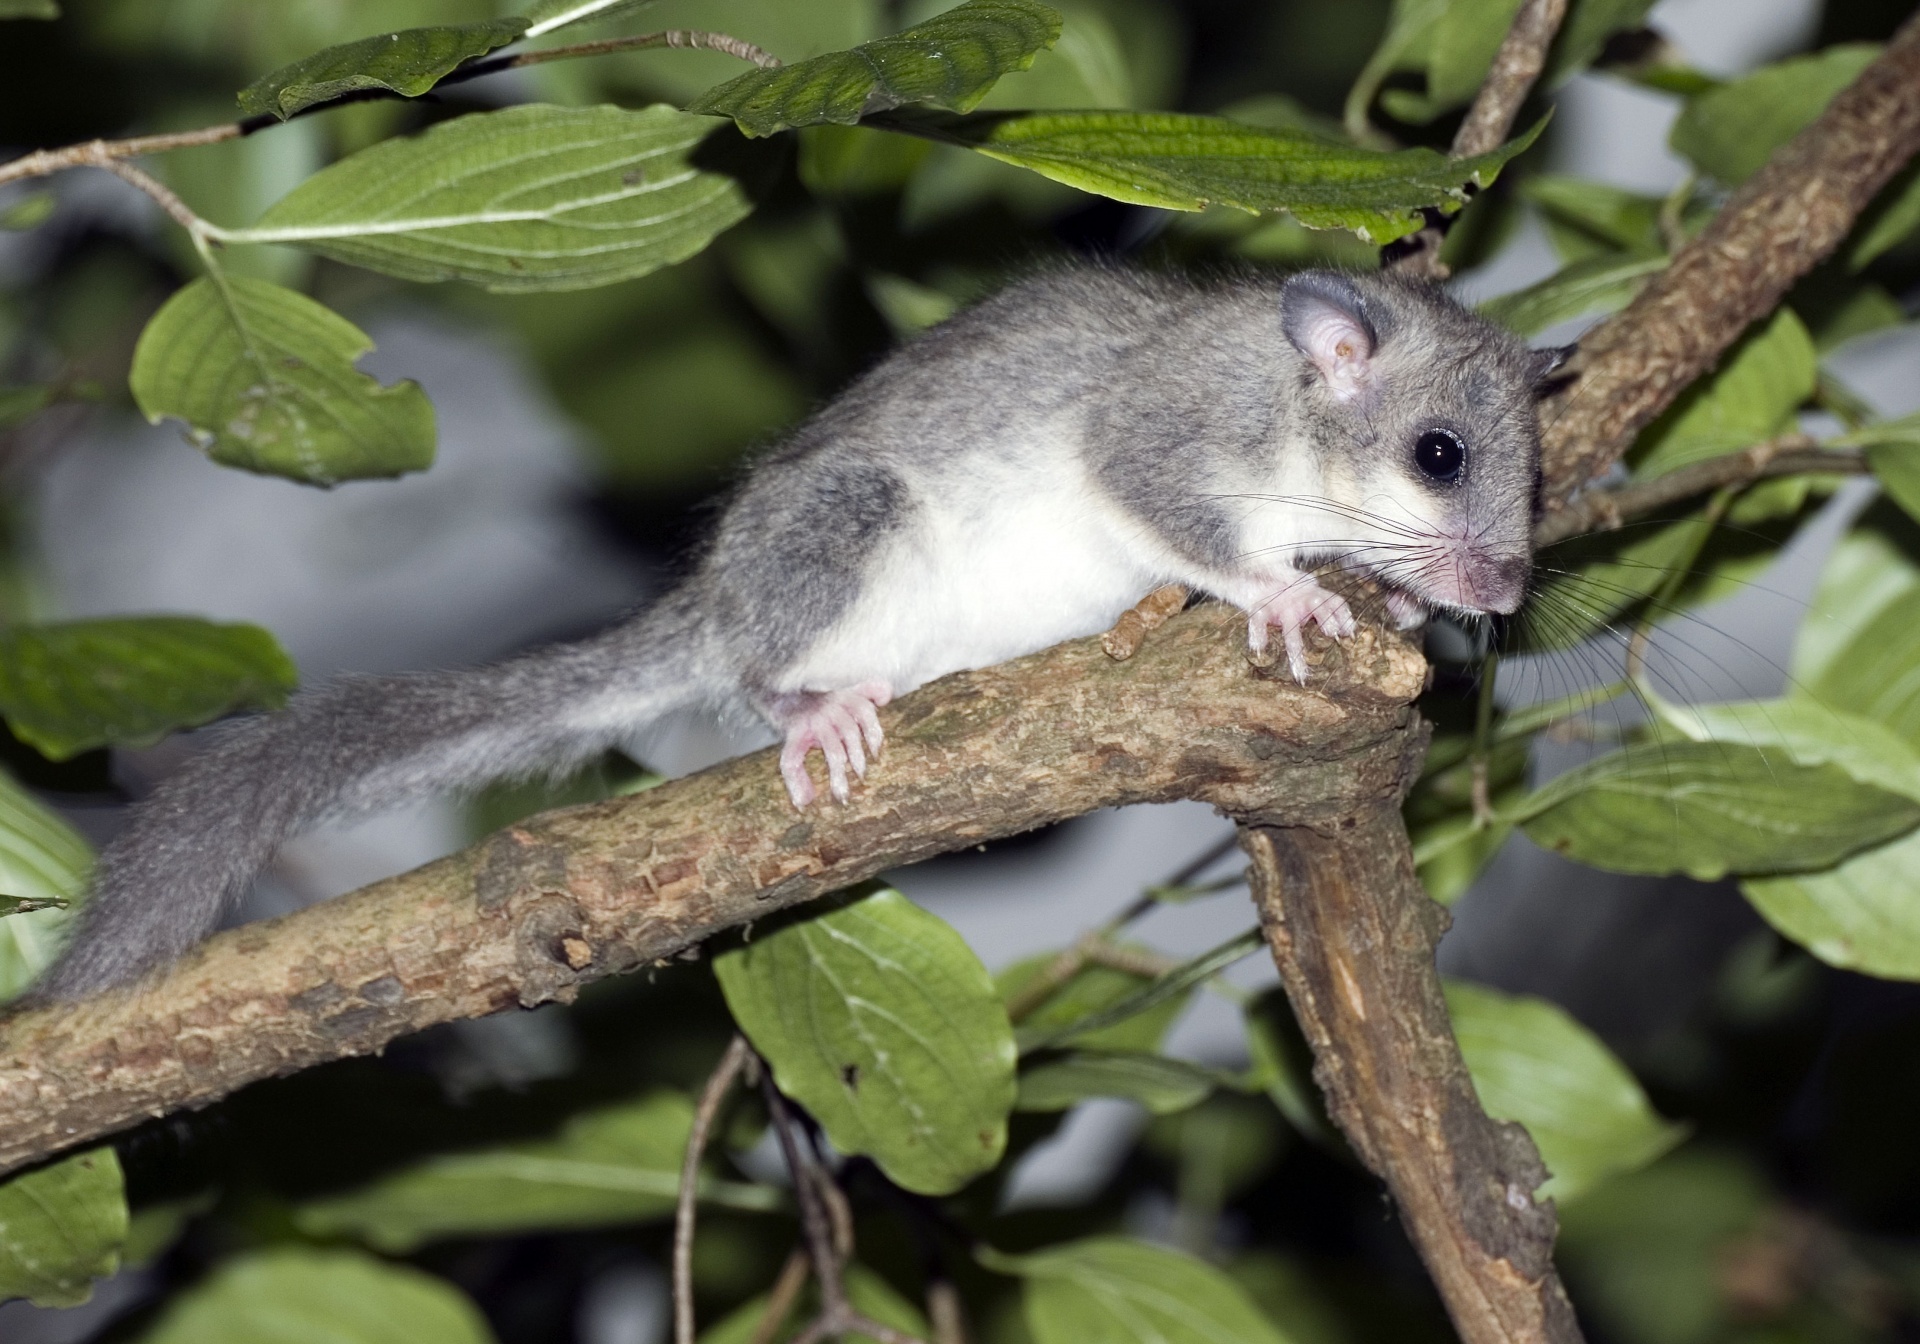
{"points": [[1147, 425]]}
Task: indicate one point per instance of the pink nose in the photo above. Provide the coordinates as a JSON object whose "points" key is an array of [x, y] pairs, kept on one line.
{"points": [[1497, 583]]}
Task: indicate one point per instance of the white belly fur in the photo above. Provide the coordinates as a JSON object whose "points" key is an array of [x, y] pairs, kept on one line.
{"points": [[992, 567]]}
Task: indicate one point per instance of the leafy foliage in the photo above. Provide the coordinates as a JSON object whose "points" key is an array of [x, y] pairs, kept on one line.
{"points": [[73, 686], [1113, 1290], [407, 63], [950, 61], [527, 198], [305, 1296], [881, 1021], [263, 379], [61, 1228]]}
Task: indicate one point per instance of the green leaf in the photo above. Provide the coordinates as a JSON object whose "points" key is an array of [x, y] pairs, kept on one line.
{"points": [[1751, 396], [1282, 1065], [1532, 1063], [1807, 731], [61, 1227], [1160, 1084], [1176, 984], [1114, 1290], [1586, 218], [1893, 451], [1729, 132], [1605, 283], [20, 404], [1874, 677], [264, 380], [871, 1296], [543, 16], [950, 61], [1890, 221], [1463, 46], [1859, 916], [408, 63], [1588, 25], [77, 685], [30, 211], [29, 9], [1184, 162], [42, 858], [1870, 568], [879, 1019], [1093, 990], [526, 198], [619, 1164], [302, 1295], [1709, 809]]}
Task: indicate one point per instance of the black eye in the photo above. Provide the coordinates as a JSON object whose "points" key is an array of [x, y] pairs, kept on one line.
{"points": [[1440, 455]]}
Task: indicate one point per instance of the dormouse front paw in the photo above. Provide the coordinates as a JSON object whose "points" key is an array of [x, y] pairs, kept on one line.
{"points": [[1298, 599], [845, 727], [1408, 612]]}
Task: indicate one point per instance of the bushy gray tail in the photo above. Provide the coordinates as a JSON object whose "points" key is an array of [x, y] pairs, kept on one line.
{"points": [[362, 743]]}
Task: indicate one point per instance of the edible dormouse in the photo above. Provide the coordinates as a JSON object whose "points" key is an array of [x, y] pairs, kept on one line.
{"points": [[1017, 476]]}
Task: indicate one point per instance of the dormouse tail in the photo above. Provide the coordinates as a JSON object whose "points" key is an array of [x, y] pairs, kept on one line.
{"points": [[194, 846]]}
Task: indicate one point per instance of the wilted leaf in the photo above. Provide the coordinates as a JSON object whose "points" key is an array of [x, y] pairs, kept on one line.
{"points": [[1534, 1064], [61, 1228], [77, 685], [1707, 809], [1750, 397], [1093, 990], [1114, 1290], [1160, 1084], [526, 198], [408, 63], [302, 1295], [264, 379], [950, 61], [1183, 162], [879, 1019], [42, 858], [1731, 131], [1602, 284], [617, 1165]]}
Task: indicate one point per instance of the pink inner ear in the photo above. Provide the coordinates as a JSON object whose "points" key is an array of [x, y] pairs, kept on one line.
{"points": [[1337, 343]]}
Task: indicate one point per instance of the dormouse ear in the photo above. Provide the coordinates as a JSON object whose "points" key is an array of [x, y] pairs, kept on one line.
{"points": [[1325, 316], [1548, 360]]}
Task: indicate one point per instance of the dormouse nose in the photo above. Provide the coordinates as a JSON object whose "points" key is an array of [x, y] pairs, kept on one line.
{"points": [[1499, 581]]}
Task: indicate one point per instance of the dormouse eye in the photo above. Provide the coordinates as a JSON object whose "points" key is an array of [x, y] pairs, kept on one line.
{"points": [[1440, 455]]}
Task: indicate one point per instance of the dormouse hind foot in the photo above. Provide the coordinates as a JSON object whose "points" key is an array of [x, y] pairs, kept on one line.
{"points": [[843, 724], [1299, 598]]}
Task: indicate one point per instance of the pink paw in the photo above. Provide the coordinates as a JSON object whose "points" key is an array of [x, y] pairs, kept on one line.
{"points": [[1408, 612], [1300, 601], [843, 725]]}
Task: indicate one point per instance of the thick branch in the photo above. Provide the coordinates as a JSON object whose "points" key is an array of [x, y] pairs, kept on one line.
{"points": [[1787, 218], [537, 910], [1353, 934]]}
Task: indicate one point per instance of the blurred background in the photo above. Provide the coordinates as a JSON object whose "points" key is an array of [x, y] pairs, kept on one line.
{"points": [[583, 439]]}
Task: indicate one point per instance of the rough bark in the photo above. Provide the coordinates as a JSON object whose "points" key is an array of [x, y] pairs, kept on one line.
{"points": [[1784, 221], [1353, 934], [540, 909]]}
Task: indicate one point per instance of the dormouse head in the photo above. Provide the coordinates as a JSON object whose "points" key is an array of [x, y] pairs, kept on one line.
{"points": [[1422, 414]]}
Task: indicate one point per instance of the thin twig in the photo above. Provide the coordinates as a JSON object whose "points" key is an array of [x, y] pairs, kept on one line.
{"points": [[102, 153], [780, 1302], [946, 1313], [180, 211], [1605, 510], [720, 1083], [1488, 123]]}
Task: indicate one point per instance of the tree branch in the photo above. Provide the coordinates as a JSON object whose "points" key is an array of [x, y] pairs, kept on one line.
{"points": [[1489, 121], [1787, 218], [1606, 510], [534, 912], [1353, 933]]}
